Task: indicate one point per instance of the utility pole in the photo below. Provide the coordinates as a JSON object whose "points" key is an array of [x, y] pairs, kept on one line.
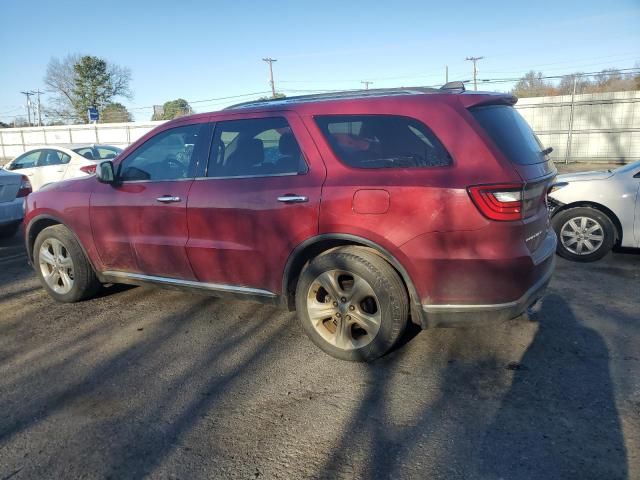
{"points": [[366, 84], [270, 61], [475, 70], [446, 74], [28, 94], [38, 93]]}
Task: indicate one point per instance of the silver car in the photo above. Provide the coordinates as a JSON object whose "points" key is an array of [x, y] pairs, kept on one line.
{"points": [[592, 212], [13, 188]]}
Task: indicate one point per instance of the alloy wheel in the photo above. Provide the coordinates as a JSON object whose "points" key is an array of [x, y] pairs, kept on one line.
{"points": [[582, 235], [56, 266], [344, 309]]}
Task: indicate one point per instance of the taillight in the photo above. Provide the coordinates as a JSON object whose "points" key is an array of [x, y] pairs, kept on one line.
{"points": [[25, 187], [498, 202], [89, 169]]}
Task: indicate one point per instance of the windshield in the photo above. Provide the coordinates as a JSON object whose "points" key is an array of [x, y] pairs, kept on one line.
{"points": [[511, 133]]}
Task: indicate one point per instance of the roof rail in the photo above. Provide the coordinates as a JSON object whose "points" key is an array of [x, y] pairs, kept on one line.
{"points": [[347, 94], [457, 85]]}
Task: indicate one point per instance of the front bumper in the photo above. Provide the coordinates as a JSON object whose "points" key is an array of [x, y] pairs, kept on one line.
{"points": [[435, 315], [11, 212]]}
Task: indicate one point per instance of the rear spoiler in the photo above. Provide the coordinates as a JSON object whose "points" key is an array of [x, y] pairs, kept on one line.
{"points": [[478, 99]]}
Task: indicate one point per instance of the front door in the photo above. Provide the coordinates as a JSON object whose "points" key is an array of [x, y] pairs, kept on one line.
{"points": [[140, 224], [260, 198]]}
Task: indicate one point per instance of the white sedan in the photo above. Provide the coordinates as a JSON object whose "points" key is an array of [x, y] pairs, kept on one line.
{"points": [[592, 212], [49, 164]]}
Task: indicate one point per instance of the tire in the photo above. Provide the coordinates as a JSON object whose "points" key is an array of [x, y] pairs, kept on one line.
{"points": [[8, 231], [71, 277], [584, 234], [352, 304]]}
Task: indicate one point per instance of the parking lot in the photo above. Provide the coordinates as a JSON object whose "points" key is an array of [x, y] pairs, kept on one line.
{"points": [[145, 382]]}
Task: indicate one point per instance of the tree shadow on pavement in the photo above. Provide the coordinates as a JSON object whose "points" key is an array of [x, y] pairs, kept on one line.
{"points": [[559, 419]]}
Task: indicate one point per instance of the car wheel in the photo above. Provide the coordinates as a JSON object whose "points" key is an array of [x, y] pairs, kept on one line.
{"points": [[352, 304], [584, 234], [62, 266], [8, 231]]}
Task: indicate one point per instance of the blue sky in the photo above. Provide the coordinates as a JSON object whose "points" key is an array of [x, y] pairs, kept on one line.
{"points": [[202, 50]]}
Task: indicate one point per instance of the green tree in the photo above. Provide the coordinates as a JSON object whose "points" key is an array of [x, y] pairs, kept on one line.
{"points": [[79, 82], [173, 109], [115, 112]]}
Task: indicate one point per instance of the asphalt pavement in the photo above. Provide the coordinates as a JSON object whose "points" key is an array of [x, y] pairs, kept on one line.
{"points": [[152, 383]]}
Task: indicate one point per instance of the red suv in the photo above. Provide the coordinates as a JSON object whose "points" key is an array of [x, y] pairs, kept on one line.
{"points": [[360, 210]]}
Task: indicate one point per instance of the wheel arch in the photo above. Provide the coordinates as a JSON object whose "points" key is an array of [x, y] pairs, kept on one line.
{"points": [[38, 224], [601, 208], [322, 243]]}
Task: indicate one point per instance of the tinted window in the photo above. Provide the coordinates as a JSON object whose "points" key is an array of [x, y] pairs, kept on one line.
{"points": [[28, 160], [383, 141], [255, 147], [98, 153], [511, 133], [52, 157], [169, 155]]}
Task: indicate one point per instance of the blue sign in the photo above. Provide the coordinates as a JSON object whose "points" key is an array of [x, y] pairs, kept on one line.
{"points": [[93, 114]]}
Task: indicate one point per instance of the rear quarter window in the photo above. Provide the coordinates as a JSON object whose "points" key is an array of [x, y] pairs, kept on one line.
{"points": [[511, 133], [382, 141]]}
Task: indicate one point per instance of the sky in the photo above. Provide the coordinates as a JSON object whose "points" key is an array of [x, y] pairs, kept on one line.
{"points": [[204, 51]]}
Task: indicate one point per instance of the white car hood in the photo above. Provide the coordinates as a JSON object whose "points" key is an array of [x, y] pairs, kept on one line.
{"points": [[583, 176]]}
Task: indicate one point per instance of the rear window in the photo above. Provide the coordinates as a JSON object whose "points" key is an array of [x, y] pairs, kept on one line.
{"points": [[382, 141], [511, 133]]}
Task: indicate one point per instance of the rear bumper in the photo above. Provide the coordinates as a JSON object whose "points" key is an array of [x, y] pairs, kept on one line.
{"points": [[11, 212], [434, 315]]}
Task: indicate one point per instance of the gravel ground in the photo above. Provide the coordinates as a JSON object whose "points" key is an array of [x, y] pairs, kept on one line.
{"points": [[161, 384]]}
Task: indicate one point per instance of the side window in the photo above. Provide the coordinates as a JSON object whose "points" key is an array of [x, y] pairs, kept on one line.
{"points": [[382, 141], [255, 147], [53, 157], [27, 160], [169, 155]]}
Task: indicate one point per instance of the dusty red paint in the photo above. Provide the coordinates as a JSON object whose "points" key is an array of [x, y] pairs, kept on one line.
{"points": [[234, 231]]}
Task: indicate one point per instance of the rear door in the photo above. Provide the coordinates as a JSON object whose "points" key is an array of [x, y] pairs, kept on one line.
{"points": [[257, 200], [513, 138], [50, 168], [139, 224]]}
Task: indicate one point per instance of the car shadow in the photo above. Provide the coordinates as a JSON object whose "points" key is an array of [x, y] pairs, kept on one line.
{"points": [[559, 418]]}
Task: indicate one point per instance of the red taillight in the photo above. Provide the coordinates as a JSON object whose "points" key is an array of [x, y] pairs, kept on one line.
{"points": [[89, 169], [498, 202], [25, 187]]}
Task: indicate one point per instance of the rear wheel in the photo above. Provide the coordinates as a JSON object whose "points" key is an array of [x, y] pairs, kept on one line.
{"points": [[63, 269], [584, 234], [352, 304]]}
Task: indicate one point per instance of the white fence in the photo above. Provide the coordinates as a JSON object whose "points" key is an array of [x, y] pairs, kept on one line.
{"points": [[14, 141], [602, 127], [595, 127]]}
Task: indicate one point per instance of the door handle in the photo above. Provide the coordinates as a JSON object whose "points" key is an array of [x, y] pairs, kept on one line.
{"points": [[167, 199], [293, 198]]}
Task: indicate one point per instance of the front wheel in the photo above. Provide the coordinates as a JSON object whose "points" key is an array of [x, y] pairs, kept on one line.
{"points": [[584, 234], [63, 269], [352, 304]]}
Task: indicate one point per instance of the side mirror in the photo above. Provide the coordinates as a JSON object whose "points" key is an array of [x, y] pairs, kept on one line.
{"points": [[105, 172]]}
